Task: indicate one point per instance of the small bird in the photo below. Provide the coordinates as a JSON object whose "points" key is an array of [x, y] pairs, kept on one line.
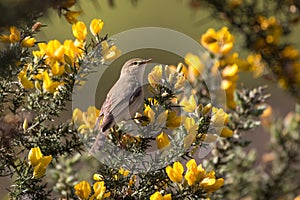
{"points": [[122, 101]]}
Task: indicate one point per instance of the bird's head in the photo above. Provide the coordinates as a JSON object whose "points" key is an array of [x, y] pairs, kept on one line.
{"points": [[134, 66]]}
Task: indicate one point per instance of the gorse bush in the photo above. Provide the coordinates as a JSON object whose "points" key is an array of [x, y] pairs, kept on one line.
{"points": [[156, 154]]}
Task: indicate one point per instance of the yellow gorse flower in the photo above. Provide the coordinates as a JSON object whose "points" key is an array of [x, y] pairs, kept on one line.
{"points": [[229, 66], [230, 59], [162, 140], [159, 196], [54, 51], [194, 173], [41, 52], [219, 117], [210, 183], [194, 63], [34, 156], [155, 76], [230, 71], [71, 51], [160, 118], [14, 34], [99, 191], [98, 177], [28, 41], [229, 87], [71, 16], [206, 109], [48, 84], [79, 45], [79, 31], [192, 130], [148, 112], [219, 120], [230, 77], [195, 176], [38, 161], [175, 172], [96, 26], [85, 121], [290, 52], [4, 38], [179, 73], [83, 190], [25, 82], [154, 114], [124, 172], [272, 29], [256, 64], [173, 120], [57, 69], [172, 69], [109, 53], [57, 59], [153, 101], [266, 117], [226, 132], [219, 43], [189, 105]]}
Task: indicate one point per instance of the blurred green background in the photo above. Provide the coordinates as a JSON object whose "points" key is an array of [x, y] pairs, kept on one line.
{"points": [[172, 14]]}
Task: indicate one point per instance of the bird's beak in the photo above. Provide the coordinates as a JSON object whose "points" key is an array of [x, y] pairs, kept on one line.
{"points": [[146, 61]]}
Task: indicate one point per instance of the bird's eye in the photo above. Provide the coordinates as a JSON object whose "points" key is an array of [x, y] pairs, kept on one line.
{"points": [[135, 63]]}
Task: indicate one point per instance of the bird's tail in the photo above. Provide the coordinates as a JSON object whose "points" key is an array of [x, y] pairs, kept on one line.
{"points": [[98, 143], [100, 139]]}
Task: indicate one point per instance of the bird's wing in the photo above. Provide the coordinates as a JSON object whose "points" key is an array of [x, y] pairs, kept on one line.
{"points": [[117, 103], [122, 101], [105, 116]]}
